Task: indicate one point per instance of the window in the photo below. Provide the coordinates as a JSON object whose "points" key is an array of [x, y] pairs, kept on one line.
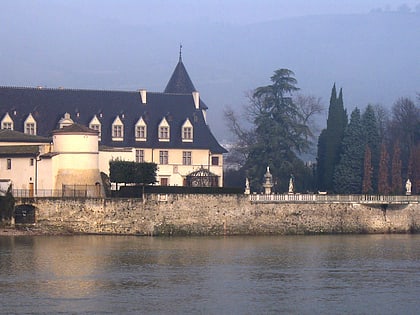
{"points": [[140, 130], [187, 131], [164, 131], [7, 122], [65, 121], [97, 128], [186, 158], [95, 124], [30, 128], [30, 125], [164, 181], [31, 162], [163, 157], [117, 130], [214, 160], [9, 164], [7, 125], [139, 156]]}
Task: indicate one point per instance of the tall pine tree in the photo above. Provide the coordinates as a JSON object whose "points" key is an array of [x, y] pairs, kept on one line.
{"points": [[329, 142], [349, 172], [383, 175], [372, 140], [396, 167], [367, 172]]}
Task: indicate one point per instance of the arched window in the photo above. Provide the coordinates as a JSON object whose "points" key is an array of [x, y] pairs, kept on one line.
{"points": [[65, 121]]}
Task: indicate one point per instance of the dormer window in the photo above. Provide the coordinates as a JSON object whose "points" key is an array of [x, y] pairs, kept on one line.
{"points": [[95, 124], [30, 125], [164, 131], [187, 131], [65, 121], [117, 130], [140, 130], [7, 122]]}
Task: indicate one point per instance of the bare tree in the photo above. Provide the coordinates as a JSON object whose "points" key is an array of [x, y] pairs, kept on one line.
{"points": [[310, 106]]}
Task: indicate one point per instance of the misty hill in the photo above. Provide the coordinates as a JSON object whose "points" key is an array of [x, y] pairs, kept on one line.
{"points": [[374, 57]]}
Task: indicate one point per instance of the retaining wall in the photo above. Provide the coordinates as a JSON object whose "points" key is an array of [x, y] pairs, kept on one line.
{"points": [[220, 215]]}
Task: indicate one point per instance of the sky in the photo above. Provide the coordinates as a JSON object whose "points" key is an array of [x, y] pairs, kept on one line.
{"points": [[132, 44], [219, 11]]}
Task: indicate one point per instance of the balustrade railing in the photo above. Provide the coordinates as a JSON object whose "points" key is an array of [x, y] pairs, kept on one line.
{"points": [[278, 198], [72, 191]]}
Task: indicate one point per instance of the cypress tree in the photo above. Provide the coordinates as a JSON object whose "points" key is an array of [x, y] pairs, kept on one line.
{"points": [[383, 174], [349, 171], [367, 172], [396, 168], [372, 140], [329, 143]]}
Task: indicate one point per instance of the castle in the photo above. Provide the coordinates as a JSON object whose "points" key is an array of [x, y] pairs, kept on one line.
{"points": [[56, 138]]}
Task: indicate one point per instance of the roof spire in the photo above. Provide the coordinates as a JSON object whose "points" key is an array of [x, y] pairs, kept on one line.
{"points": [[180, 52]]}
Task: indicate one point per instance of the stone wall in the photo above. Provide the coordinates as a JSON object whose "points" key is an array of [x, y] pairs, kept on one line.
{"points": [[220, 215]]}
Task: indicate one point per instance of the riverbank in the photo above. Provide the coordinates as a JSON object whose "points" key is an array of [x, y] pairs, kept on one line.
{"points": [[32, 230], [215, 215]]}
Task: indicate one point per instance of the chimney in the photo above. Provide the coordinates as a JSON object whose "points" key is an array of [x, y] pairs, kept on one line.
{"points": [[143, 96], [196, 97]]}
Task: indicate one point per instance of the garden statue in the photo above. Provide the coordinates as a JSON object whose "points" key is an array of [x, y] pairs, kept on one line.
{"points": [[291, 184], [408, 187]]}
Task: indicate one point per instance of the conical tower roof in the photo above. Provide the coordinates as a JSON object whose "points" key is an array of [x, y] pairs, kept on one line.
{"points": [[180, 81]]}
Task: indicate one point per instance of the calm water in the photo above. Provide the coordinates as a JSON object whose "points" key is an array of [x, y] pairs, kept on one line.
{"points": [[377, 274]]}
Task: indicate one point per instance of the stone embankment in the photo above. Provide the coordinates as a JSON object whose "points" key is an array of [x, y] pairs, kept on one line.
{"points": [[220, 215]]}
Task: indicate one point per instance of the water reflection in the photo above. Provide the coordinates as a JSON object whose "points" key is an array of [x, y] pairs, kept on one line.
{"points": [[238, 275]]}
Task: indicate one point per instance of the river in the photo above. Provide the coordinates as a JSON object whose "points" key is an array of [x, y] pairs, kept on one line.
{"points": [[350, 274]]}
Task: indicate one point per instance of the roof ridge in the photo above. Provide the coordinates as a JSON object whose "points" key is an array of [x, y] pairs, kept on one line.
{"points": [[65, 89], [86, 90]]}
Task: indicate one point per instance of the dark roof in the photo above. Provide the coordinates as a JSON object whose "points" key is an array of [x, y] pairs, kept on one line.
{"points": [[180, 81], [7, 135], [19, 150], [75, 129], [48, 106]]}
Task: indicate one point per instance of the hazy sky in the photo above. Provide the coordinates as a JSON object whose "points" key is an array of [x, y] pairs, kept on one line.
{"points": [[223, 11], [132, 44]]}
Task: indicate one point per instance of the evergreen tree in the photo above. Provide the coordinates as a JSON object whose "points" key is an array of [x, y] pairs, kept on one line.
{"points": [[329, 143], [396, 179], [349, 171], [280, 133], [367, 173], [415, 179], [372, 140], [383, 175]]}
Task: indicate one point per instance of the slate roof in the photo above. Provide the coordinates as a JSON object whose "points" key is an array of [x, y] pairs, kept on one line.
{"points": [[75, 129], [19, 150], [48, 106], [180, 81], [7, 135]]}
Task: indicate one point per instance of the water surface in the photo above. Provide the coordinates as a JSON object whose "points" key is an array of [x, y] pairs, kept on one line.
{"points": [[362, 274]]}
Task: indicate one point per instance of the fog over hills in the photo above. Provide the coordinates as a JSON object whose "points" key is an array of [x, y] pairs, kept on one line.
{"points": [[374, 57]]}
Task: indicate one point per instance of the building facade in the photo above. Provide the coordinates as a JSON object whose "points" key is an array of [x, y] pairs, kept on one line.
{"points": [[169, 128]]}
